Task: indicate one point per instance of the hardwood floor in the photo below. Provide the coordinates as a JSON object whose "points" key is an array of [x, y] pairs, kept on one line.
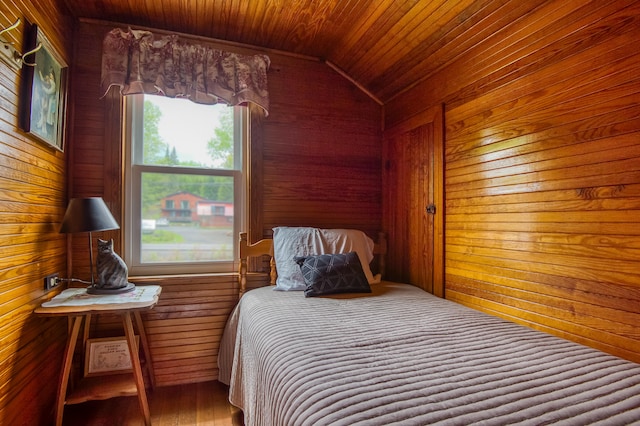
{"points": [[192, 404]]}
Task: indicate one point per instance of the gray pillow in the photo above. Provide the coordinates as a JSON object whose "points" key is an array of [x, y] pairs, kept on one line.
{"points": [[333, 274]]}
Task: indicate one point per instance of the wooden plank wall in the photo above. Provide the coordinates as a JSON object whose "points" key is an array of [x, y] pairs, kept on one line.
{"points": [[184, 329], [315, 165], [32, 203], [542, 178], [322, 151]]}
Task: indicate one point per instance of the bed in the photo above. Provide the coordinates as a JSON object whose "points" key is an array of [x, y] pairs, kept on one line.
{"points": [[398, 355]]}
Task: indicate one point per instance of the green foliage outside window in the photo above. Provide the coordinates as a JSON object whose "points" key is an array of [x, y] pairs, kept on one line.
{"points": [[156, 186]]}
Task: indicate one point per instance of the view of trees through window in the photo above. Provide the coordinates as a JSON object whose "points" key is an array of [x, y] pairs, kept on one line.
{"points": [[187, 190]]}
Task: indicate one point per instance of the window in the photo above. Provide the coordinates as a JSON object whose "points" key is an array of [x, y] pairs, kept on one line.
{"points": [[184, 185]]}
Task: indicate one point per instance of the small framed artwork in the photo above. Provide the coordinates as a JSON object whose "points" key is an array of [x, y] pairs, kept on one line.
{"points": [[44, 92], [107, 355]]}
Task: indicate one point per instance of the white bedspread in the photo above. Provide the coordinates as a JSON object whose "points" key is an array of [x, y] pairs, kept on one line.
{"points": [[400, 356]]}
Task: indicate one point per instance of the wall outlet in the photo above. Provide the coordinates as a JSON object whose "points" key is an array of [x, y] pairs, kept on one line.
{"points": [[51, 281]]}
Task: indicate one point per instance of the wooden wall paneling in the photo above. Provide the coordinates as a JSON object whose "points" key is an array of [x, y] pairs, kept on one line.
{"points": [[567, 126], [542, 172], [322, 151], [95, 156], [581, 77], [620, 341], [185, 328], [604, 25], [522, 46], [395, 202], [438, 198], [114, 157], [255, 179], [32, 203], [255, 184]]}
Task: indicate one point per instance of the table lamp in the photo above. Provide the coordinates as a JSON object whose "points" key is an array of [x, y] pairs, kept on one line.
{"points": [[88, 215]]}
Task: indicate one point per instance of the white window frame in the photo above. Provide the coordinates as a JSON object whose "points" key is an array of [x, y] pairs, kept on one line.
{"points": [[133, 170]]}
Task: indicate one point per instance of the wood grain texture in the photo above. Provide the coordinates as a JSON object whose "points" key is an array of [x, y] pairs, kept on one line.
{"points": [[185, 328], [180, 405], [321, 152], [33, 199], [412, 180], [386, 46], [542, 164], [541, 160]]}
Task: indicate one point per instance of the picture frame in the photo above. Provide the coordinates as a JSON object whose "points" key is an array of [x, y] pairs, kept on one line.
{"points": [[108, 355], [44, 91]]}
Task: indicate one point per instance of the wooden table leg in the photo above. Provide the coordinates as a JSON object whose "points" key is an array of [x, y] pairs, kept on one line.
{"points": [[86, 331], [137, 370], [145, 348], [66, 366]]}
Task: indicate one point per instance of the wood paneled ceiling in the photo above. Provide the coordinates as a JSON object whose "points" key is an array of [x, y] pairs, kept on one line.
{"points": [[385, 46]]}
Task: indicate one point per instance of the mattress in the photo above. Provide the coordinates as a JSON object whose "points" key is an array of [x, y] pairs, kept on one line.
{"points": [[400, 356]]}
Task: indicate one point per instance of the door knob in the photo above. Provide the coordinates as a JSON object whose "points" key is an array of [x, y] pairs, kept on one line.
{"points": [[431, 208]]}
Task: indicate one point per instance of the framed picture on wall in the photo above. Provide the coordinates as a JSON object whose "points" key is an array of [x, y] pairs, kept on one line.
{"points": [[44, 92]]}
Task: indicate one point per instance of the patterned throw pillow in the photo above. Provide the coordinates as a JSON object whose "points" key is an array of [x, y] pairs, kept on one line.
{"points": [[332, 274]]}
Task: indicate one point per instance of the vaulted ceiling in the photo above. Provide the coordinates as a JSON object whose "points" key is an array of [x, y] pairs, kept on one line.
{"points": [[385, 46]]}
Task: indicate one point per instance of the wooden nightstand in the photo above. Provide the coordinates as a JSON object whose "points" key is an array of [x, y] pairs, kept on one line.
{"points": [[77, 305]]}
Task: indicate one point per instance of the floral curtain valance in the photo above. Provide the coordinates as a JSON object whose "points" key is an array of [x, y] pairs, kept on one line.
{"points": [[141, 62]]}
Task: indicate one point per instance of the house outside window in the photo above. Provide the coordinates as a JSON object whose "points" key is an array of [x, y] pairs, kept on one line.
{"points": [[183, 161]]}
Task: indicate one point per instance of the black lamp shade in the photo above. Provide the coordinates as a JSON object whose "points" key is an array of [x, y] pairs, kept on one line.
{"points": [[87, 215]]}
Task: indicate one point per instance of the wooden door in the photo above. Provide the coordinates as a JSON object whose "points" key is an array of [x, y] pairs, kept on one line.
{"points": [[414, 204], [419, 234]]}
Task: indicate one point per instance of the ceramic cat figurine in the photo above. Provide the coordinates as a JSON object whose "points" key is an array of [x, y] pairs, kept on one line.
{"points": [[112, 271]]}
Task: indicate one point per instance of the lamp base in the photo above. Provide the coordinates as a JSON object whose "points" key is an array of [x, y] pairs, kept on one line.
{"points": [[92, 289]]}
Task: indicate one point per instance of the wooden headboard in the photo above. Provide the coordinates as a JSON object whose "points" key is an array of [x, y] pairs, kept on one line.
{"points": [[265, 248]]}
